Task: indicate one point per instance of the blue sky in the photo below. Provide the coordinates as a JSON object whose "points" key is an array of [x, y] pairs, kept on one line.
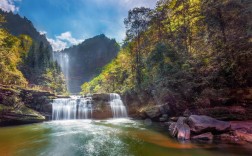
{"points": [[69, 22]]}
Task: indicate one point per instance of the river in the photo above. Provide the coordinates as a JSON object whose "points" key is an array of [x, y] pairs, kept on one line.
{"points": [[115, 137]]}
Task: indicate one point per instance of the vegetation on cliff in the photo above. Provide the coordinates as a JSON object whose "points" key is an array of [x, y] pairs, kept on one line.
{"points": [[88, 58], [184, 49], [19, 102], [26, 56]]}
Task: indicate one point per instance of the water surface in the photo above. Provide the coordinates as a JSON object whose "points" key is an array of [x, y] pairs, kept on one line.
{"points": [[115, 137]]}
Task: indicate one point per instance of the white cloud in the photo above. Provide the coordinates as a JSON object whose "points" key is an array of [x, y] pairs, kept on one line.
{"points": [[42, 32], [8, 5], [63, 41], [57, 44], [67, 36]]}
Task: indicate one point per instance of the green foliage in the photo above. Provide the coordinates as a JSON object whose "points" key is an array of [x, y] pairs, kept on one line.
{"points": [[187, 46], [23, 59], [11, 52], [39, 68], [116, 76]]}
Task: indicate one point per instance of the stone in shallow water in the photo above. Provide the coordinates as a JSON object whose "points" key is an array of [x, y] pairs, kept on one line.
{"points": [[172, 128], [201, 124], [183, 129]]}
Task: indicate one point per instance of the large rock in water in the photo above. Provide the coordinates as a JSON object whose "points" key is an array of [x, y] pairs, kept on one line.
{"points": [[201, 124], [180, 129], [183, 129]]}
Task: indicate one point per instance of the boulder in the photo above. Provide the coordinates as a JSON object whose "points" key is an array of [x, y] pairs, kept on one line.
{"points": [[179, 129], [200, 124], [205, 136], [172, 128], [183, 129]]}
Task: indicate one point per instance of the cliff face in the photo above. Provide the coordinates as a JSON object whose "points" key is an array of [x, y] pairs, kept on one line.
{"points": [[22, 106], [87, 59]]}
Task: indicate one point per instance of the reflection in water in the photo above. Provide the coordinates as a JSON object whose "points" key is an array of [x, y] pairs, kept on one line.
{"points": [[118, 137]]}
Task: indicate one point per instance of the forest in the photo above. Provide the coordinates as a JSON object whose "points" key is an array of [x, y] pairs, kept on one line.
{"points": [[194, 49], [27, 62]]}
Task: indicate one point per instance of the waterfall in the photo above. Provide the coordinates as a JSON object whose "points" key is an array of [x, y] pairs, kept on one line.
{"points": [[117, 107], [75, 107], [63, 61]]}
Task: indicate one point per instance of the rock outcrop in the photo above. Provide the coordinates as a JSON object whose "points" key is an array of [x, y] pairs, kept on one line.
{"points": [[183, 129], [21, 106], [197, 127], [201, 124], [101, 107], [180, 129]]}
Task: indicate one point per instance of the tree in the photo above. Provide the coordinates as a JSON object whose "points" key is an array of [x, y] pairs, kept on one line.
{"points": [[136, 23]]}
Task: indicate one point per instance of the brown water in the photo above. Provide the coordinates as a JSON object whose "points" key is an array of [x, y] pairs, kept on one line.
{"points": [[120, 137]]}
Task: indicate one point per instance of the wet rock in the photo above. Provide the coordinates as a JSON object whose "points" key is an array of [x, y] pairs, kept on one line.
{"points": [[201, 124], [205, 136], [183, 129], [173, 129], [23, 115], [101, 97]]}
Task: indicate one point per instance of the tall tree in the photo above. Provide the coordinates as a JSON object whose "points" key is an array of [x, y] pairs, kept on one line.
{"points": [[136, 23]]}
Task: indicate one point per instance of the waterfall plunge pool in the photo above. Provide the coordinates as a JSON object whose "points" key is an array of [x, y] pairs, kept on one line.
{"points": [[113, 137]]}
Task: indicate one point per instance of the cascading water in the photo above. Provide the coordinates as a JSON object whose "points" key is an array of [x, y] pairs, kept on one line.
{"points": [[63, 61], [117, 107], [75, 107]]}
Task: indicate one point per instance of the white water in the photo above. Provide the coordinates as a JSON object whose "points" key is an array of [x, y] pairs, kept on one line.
{"points": [[117, 107], [72, 108], [63, 61]]}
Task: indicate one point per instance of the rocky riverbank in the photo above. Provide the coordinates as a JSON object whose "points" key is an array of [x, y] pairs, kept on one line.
{"points": [[205, 128], [223, 104], [214, 115], [22, 106]]}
